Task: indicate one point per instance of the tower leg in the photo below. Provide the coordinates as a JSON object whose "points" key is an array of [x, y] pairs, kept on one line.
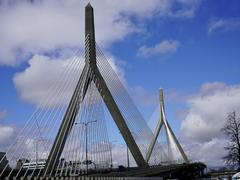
{"points": [[118, 118]]}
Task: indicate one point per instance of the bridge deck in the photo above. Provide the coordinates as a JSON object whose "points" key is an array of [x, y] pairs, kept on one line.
{"points": [[179, 170]]}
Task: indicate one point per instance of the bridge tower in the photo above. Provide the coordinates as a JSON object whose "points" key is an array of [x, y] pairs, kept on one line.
{"points": [[90, 74], [163, 122]]}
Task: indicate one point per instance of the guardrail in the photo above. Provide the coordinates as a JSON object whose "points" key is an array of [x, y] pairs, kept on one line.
{"points": [[85, 178]]}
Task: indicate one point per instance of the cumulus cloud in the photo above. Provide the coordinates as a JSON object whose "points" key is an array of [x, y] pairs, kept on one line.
{"points": [[33, 27], [165, 47], [6, 132], [207, 113], [119, 155], [223, 25], [48, 82], [210, 152]]}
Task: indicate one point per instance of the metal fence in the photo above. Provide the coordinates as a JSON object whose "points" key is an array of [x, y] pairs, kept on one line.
{"points": [[85, 178]]}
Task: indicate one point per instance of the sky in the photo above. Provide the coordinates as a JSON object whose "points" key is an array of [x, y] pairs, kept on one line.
{"points": [[190, 48]]}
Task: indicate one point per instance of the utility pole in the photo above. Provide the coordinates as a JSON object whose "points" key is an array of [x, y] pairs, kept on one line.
{"points": [[111, 158], [127, 158], [127, 154], [86, 138], [36, 152]]}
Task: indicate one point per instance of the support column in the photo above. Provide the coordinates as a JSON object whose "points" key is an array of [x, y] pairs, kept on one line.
{"points": [[66, 126], [154, 139], [162, 121], [90, 70], [168, 127], [118, 118], [105, 92]]}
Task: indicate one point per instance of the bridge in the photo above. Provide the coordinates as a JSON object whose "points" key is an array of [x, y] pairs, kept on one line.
{"points": [[69, 131]]}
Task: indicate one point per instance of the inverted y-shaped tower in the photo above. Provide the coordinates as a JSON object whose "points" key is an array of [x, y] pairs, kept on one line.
{"points": [[90, 74], [163, 122]]}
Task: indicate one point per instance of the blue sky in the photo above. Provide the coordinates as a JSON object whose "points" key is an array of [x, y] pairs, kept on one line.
{"points": [[190, 48]]}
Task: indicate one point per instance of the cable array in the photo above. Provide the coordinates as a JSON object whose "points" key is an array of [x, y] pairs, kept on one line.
{"points": [[87, 148], [35, 138], [135, 121]]}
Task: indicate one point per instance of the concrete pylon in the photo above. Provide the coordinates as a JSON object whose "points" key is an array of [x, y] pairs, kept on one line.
{"points": [[90, 74], [163, 122]]}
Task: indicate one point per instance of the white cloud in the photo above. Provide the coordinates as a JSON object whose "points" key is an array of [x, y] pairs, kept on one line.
{"points": [[119, 155], [223, 25], [6, 132], [35, 27], [46, 81], [165, 47], [209, 152], [51, 81], [207, 114]]}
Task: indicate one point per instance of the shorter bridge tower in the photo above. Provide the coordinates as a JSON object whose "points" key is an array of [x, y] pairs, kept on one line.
{"points": [[169, 133]]}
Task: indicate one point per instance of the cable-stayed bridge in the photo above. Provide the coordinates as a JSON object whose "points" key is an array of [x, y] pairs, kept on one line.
{"points": [[67, 134]]}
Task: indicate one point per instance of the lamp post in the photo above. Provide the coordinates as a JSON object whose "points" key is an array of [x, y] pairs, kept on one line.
{"points": [[128, 152], [128, 163], [37, 140], [36, 152], [127, 157], [111, 155], [86, 139]]}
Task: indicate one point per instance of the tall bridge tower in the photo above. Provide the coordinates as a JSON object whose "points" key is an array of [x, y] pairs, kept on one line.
{"points": [[90, 74], [62, 148]]}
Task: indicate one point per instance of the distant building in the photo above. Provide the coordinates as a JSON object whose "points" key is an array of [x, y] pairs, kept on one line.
{"points": [[20, 163], [3, 161], [39, 164]]}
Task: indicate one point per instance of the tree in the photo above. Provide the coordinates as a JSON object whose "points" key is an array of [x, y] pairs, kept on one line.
{"points": [[232, 130]]}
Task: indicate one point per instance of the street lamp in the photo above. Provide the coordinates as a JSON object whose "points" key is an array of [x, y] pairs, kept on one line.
{"points": [[38, 140], [128, 163], [86, 139], [111, 148], [127, 157], [128, 151]]}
